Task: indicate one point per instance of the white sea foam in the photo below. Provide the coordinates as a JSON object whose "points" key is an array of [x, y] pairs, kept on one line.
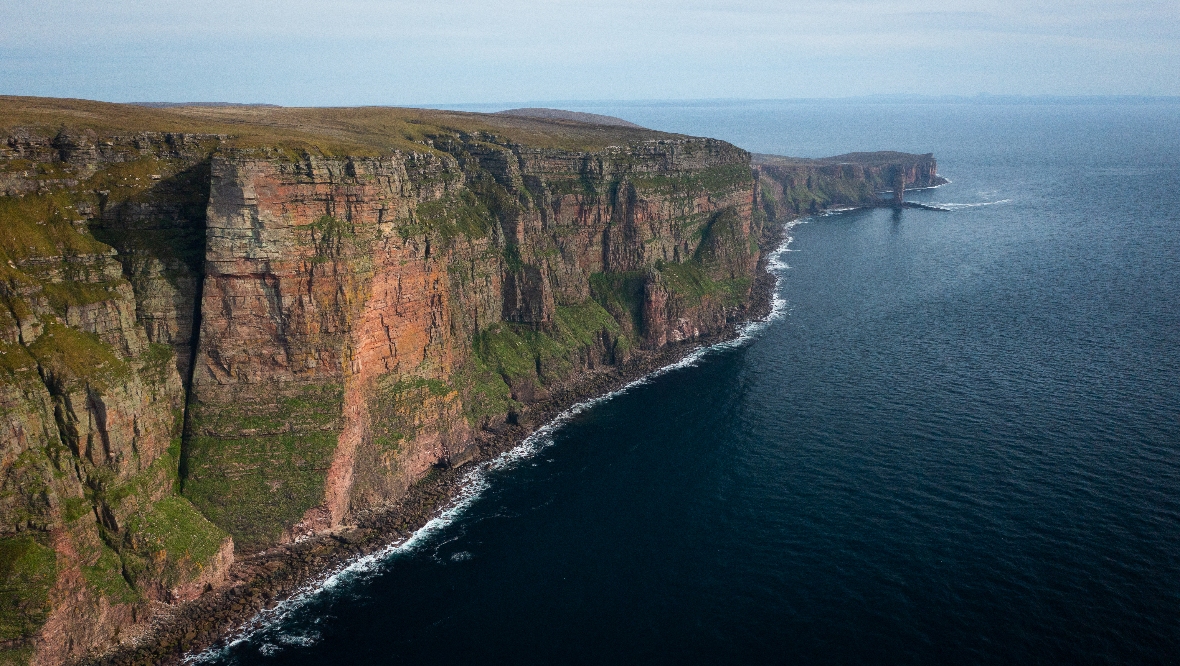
{"points": [[268, 625], [931, 187], [957, 206], [889, 193], [268, 620]]}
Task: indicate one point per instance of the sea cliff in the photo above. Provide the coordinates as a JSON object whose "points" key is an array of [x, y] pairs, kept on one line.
{"points": [[234, 332]]}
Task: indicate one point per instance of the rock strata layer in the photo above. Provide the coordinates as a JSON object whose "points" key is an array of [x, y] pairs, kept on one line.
{"points": [[229, 329]]}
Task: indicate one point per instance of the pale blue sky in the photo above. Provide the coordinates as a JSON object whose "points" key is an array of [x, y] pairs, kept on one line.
{"points": [[300, 52]]}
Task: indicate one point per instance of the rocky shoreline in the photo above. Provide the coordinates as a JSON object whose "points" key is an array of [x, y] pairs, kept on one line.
{"points": [[261, 581]]}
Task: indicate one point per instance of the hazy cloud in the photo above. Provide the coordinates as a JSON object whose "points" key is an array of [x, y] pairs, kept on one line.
{"points": [[397, 52]]}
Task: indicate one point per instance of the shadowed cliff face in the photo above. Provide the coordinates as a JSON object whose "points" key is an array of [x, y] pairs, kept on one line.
{"points": [[98, 284], [215, 342]]}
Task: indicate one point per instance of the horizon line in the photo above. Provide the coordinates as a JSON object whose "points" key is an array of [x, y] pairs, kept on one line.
{"points": [[985, 98]]}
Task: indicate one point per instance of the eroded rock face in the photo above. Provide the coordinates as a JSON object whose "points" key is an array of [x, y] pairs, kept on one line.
{"points": [[207, 348], [370, 284], [310, 291]]}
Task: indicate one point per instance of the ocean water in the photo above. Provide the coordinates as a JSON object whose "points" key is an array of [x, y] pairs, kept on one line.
{"points": [[957, 442]]}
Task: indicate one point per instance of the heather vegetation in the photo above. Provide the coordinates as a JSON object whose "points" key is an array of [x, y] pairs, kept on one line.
{"points": [[352, 132]]}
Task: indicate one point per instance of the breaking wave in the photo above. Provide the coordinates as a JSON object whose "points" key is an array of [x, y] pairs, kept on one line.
{"points": [[957, 206]]}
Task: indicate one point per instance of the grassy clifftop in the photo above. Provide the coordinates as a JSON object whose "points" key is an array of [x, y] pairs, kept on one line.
{"points": [[360, 131]]}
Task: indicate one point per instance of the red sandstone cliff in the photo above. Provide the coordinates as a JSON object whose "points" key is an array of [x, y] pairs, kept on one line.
{"points": [[91, 393], [342, 296]]}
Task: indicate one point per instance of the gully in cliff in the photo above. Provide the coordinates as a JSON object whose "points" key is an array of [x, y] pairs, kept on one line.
{"points": [[235, 356]]}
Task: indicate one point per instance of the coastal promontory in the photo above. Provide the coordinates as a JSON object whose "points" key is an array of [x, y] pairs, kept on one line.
{"points": [[230, 331]]}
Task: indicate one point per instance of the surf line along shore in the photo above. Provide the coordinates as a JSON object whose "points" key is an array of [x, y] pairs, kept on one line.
{"points": [[260, 583]]}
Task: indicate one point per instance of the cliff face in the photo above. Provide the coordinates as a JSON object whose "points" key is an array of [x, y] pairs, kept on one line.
{"points": [[216, 337], [365, 317]]}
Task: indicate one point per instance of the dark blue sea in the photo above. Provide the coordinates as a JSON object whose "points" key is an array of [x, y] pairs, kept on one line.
{"points": [[958, 441]]}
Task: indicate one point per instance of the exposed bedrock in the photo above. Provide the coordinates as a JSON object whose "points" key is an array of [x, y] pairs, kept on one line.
{"points": [[385, 309]]}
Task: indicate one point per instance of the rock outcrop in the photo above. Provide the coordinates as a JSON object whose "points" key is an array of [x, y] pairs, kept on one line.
{"points": [[224, 328]]}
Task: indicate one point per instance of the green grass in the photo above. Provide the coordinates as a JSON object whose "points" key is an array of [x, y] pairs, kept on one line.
{"points": [[105, 577], [688, 280], [580, 324], [74, 508], [504, 351], [511, 255], [306, 407], [75, 358], [290, 132], [163, 469], [31, 478], [61, 295], [621, 294], [432, 387], [522, 353], [486, 394], [726, 249], [44, 225], [718, 178], [16, 656], [14, 359], [581, 185], [156, 361], [691, 283], [171, 542], [254, 468], [256, 487], [80, 271], [27, 572], [462, 214], [396, 401], [50, 224], [814, 188], [332, 235]]}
